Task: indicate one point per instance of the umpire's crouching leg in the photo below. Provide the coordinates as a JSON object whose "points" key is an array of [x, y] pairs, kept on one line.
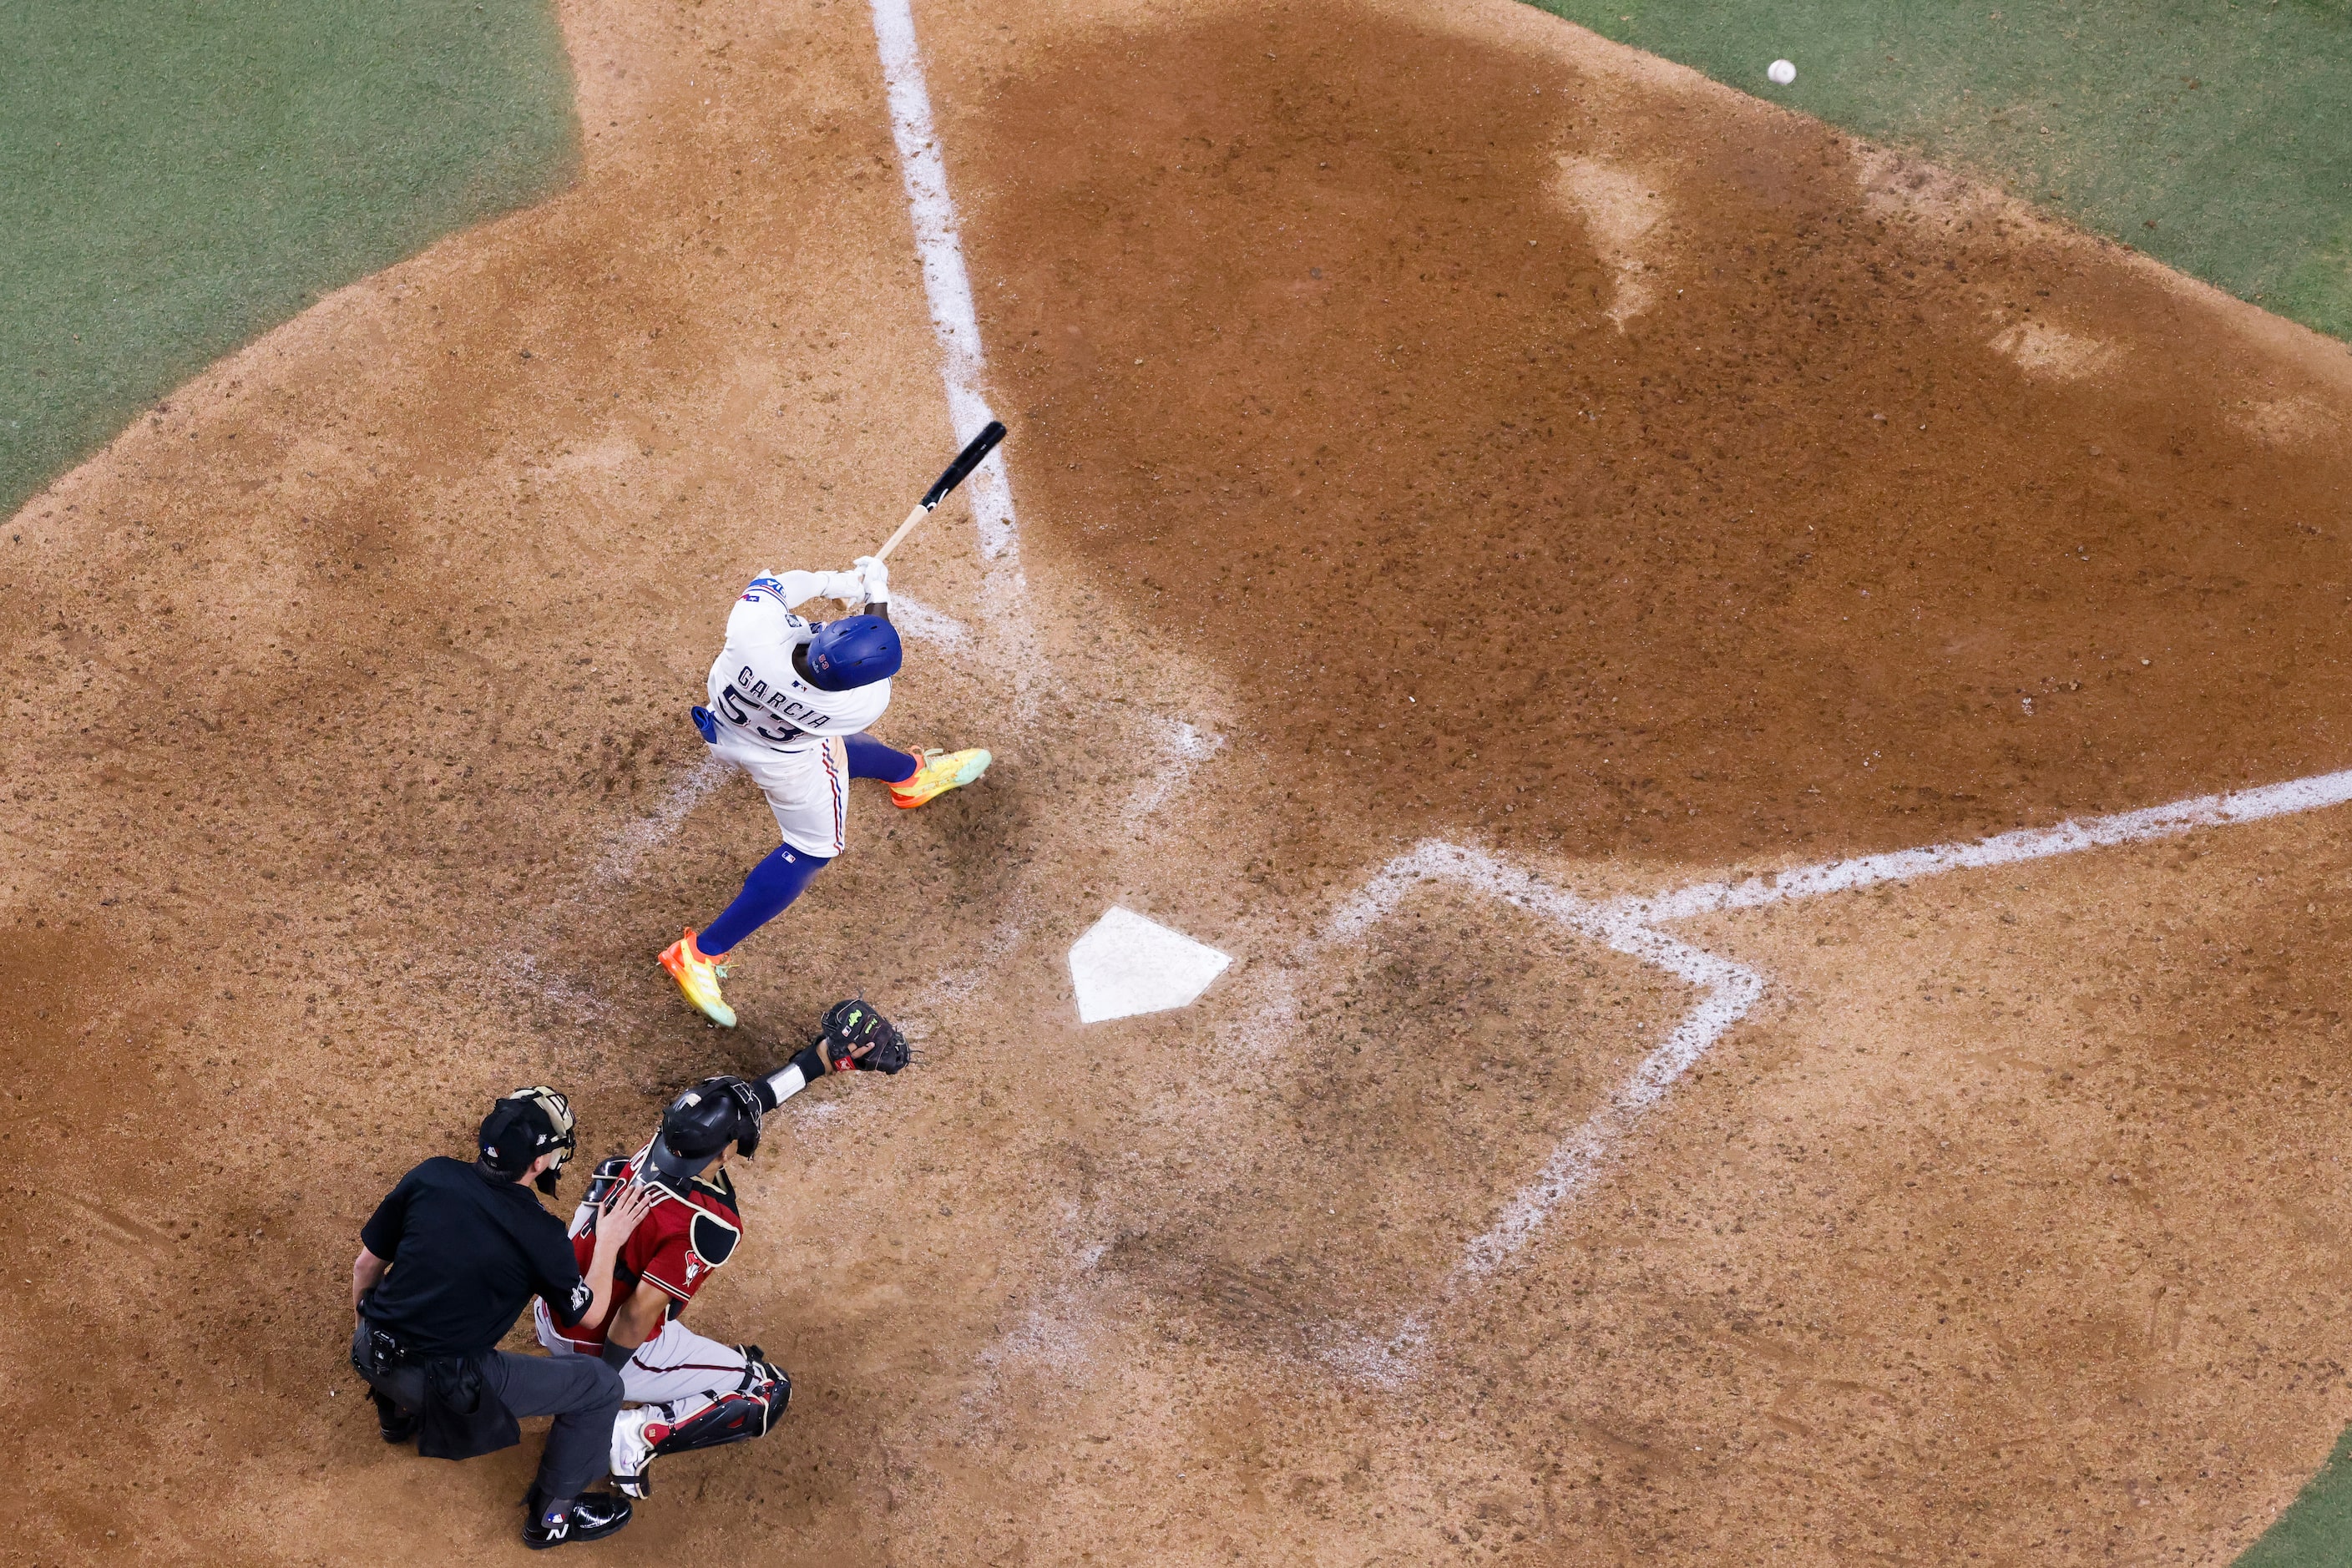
{"points": [[399, 1392], [582, 1392]]}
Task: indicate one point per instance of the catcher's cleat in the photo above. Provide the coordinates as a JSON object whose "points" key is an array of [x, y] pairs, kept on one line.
{"points": [[698, 978], [940, 772]]}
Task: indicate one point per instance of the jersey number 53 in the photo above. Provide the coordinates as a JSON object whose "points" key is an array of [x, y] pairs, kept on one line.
{"points": [[737, 708]]}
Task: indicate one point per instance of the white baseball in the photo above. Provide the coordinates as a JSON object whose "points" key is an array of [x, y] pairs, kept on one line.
{"points": [[1782, 71]]}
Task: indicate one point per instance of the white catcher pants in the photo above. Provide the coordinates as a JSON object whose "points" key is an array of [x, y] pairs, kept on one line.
{"points": [[674, 1364]]}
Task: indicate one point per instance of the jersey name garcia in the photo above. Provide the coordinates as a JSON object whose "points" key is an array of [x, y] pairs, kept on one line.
{"points": [[690, 1232], [755, 690]]}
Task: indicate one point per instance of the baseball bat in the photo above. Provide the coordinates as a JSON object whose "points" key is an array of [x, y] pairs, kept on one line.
{"points": [[980, 447]]}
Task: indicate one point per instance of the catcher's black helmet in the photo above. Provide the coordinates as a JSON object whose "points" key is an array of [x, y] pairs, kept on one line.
{"points": [[703, 1120]]}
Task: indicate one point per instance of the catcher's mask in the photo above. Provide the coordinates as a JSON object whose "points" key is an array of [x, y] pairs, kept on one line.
{"points": [[523, 1126], [703, 1121]]}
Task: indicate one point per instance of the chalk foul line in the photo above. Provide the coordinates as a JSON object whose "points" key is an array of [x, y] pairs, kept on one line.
{"points": [[947, 289], [2297, 795], [1726, 990], [947, 285]]}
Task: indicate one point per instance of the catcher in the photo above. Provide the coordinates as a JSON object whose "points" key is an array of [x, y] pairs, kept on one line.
{"points": [[692, 1391]]}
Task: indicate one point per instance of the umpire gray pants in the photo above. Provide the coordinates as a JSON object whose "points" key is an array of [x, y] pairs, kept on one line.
{"points": [[580, 1392]]}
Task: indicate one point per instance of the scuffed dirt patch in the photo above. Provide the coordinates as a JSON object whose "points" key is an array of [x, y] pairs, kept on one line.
{"points": [[1621, 210], [2039, 349], [2291, 420]]}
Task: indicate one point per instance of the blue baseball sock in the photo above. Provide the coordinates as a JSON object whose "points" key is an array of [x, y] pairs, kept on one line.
{"points": [[870, 759], [773, 885], [777, 880]]}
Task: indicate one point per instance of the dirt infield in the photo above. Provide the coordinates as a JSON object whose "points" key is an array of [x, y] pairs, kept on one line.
{"points": [[1317, 327], [1428, 423]]}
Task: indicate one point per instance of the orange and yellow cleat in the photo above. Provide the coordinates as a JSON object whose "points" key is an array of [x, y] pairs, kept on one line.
{"points": [[940, 772], [698, 977]]}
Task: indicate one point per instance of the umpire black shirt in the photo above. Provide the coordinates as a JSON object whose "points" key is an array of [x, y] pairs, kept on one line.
{"points": [[469, 1251]]}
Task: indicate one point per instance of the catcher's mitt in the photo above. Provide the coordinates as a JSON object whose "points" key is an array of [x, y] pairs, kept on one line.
{"points": [[857, 1039]]}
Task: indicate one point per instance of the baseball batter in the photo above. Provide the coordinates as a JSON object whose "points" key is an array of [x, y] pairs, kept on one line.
{"points": [[694, 1392], [789, 701]]}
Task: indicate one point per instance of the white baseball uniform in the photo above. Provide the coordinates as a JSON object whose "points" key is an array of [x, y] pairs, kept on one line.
{"points": [[775, 726]]}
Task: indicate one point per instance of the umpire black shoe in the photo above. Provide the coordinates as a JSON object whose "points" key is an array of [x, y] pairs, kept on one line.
{"points": [[591, 1516], [397, 1425]]}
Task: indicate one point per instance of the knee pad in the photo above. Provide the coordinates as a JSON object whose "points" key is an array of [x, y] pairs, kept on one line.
{"points": [[758, 1370]]}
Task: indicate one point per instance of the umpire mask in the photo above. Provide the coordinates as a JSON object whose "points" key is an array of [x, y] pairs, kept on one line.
{"points": [[701, 1123], [523, 1126]]}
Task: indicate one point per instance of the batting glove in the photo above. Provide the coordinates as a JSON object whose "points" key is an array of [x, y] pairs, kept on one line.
{"points": [[843, 586]]}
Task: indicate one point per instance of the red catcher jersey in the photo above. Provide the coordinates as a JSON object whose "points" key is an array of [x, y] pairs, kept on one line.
{"points": [[675, 1249]]}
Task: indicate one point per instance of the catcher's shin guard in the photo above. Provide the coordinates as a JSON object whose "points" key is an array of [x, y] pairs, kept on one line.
{"points": [[644, 1434]]}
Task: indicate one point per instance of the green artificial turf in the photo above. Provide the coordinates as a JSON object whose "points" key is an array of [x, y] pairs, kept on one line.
{"points": [[179, 175], [2215, 136], [2316, 1532]]}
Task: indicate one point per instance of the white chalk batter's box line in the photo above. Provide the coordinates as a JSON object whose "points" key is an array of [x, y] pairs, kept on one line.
{"points": [[1727, 991]]}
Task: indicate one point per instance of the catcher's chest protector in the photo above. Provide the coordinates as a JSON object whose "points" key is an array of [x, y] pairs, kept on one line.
{"points": [[713, 1224], [703, 1210]]}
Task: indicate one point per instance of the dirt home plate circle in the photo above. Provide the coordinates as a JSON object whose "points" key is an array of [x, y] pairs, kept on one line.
{"points": [[1589, 938]]}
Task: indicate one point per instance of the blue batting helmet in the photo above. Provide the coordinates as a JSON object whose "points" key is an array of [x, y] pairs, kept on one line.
{"points": [[857, 650]]}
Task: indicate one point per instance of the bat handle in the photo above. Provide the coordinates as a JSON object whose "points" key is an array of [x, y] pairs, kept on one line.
{"points": [[905, 527]]}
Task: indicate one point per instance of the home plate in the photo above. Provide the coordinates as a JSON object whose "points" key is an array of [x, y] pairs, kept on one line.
{"points": [[1125, 964]]}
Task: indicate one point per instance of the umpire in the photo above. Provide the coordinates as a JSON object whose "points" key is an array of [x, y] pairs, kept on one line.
{"points": [[446, 1263]]}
